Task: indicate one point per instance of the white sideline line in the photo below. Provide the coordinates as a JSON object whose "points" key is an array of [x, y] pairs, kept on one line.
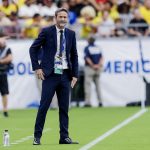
{"points": [[27, 138], [113, 130]]}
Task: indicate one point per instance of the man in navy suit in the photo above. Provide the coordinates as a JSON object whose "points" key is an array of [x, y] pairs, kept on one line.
{"points": [[58, 70]]}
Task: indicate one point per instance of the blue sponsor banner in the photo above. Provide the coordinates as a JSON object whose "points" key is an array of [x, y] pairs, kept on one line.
{"points": [[115, 67], [21, 69], [127, 67]]}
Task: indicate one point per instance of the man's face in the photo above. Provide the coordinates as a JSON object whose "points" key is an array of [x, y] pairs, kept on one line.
{"points": [[28, 2], [72, 2], [2, 42], [137, 14], [5, 3], [61, 19], [37, 19], [105, 15], [147, 4]]}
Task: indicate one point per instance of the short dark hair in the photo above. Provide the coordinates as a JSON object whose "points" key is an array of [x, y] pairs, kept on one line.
{"points": [[91, 40], [36, 15], [59, 10]]}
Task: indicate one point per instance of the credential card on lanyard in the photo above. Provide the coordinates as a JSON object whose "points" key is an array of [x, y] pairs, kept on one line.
{"points": [[58, 69]]}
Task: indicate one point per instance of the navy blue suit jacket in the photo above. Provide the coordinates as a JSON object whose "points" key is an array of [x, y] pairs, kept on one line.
{"points": [[47, 40]]}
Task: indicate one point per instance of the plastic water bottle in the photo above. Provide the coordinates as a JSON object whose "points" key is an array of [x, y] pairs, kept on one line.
{"points": [[6, 138]]}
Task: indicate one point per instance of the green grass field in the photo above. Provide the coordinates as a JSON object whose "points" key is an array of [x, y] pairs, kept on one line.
{"points": [[86, 124]]}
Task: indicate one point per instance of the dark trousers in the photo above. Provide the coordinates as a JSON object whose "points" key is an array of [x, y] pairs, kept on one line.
{"points": [[60, 84]]}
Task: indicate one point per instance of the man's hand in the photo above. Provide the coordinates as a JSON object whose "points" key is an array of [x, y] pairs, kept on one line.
{"points": [[1, 61], [96, 67], [73, 82], [40, 74]]}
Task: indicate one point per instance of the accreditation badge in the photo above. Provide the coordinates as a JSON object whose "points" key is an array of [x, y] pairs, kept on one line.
{"points": [[58, 68]]}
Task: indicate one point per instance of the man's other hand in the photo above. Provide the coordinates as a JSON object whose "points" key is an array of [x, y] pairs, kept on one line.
{"points": [[73, 82], [40, 74]]}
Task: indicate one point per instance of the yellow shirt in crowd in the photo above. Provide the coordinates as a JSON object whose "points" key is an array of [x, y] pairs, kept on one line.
{"points": [[114, 14], [87, 30], [8, 10], [32, 29], [145, 13]]}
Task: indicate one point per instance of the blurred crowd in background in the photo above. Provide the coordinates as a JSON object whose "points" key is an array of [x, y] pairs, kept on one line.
{"points": [[103, 18]]}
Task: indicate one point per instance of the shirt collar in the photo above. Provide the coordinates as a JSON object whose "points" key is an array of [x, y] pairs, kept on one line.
{"points": [[57, 29]]}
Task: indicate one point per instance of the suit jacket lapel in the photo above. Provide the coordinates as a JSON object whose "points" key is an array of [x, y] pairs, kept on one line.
{"points": [[55, 37], [67, 40], [52, 32]]}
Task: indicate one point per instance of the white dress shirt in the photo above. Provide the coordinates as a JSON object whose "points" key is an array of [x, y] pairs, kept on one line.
{"points": [[64, 58]]}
